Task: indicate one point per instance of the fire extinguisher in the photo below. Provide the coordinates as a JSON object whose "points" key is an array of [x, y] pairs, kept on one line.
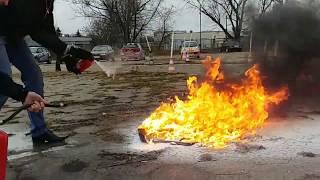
{"points": [[3, 154], [84, 64]]}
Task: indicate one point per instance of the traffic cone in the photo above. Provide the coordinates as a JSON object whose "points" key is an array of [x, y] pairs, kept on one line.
{"points": [[3, 154], [188, 58], [184, 55], [172, 68]]}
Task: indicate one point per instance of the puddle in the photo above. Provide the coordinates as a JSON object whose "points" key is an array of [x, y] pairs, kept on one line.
{"points": [[21, 146], [18, 141]]}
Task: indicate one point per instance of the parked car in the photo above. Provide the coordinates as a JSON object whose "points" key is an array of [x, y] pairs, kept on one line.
{"points": [[103, 52], [132, 51], [231, 45], [41, 54], [192, 48]]}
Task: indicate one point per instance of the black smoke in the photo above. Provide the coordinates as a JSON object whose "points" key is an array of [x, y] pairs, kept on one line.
{"points": [[295, 27]]}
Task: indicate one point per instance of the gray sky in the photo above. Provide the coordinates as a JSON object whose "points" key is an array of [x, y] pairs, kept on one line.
{"points": [[68, 20]]}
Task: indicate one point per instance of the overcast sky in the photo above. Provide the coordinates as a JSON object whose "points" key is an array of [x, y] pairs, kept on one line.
{"points": [[68, 20]]}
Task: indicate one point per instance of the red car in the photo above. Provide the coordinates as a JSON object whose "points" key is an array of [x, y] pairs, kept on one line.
{"points": [[132, 51]]}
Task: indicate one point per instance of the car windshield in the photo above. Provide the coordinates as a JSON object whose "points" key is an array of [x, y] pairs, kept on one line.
{"points": [[100, 48], [190, 44], [34, 49], [131, 46]]}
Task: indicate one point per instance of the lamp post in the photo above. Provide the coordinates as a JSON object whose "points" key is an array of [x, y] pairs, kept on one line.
{"points": [[200, 13]]}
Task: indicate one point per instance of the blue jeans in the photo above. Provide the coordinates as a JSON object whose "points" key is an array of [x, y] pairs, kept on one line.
{"points": [[19, 55]]}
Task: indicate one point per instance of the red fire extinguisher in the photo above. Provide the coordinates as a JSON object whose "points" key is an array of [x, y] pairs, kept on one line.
{"points": [[84, 64], [3, 154]]}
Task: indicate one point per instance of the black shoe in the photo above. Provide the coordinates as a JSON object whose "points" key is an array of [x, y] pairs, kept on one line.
{"points": [[48, 138]]}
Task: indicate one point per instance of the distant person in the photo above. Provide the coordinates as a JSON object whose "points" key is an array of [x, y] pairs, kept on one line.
{"points": [[19, 18]]}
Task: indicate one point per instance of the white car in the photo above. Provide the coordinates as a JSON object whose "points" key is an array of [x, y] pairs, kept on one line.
{"points": [[41, 54], [191, 48]]}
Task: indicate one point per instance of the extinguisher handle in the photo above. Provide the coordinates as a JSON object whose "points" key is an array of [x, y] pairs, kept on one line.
{"points": [[25, 107], [18, 111]]}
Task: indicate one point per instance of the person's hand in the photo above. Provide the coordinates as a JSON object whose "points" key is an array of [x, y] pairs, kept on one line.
{"points": [[79, 53], [36, 101], [72, 57], [71, 64], [4, 2]]}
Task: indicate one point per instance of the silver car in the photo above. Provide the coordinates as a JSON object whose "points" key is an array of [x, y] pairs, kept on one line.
{"points": [[103, 52], [41, 54]]}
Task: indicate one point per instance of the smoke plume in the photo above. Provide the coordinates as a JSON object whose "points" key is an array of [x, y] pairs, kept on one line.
{"points": [[295, 29]]}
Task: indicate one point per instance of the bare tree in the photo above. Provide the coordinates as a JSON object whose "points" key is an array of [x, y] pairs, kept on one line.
{"points": [[222, 11], [266, 5], [127, 17], [102, 32], [226, 13], [164, 24]]}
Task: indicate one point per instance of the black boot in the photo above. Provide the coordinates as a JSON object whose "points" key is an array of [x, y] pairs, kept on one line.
{"points": [[48, 138]]}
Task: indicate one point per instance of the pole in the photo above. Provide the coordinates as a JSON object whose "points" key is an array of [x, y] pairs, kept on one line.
{"points": [[172, 43], [200, 27], [171, 68], [148, 44], [150, 50], [227, 23], [250, 50], [276, 48], [265, 48]]}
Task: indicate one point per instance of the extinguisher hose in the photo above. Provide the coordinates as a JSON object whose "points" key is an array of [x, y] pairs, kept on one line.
{"points": [[25, 107]]}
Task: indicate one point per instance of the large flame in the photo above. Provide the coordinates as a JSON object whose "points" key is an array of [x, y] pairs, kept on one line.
{"points": [[211, 115]]}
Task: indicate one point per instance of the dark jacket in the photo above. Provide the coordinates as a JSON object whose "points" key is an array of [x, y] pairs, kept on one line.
{"points": [[28, 17], [31, 17], [11, 89]]}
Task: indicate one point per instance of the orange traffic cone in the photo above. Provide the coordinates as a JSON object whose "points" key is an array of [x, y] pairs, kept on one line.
{"points": [[188, 58], [184, 55]]}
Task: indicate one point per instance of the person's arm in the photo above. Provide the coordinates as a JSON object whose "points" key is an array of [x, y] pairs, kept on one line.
{"points": [[47, 37], [11, 89], [17, 92], [4, 2]]}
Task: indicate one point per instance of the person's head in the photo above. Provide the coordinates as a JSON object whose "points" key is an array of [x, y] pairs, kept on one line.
{"points": [[4, 2]]}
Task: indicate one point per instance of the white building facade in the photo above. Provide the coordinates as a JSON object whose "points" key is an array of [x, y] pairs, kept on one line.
{"points": [[209, 39]]}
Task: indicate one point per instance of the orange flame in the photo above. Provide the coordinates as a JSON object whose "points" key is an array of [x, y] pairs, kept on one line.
{"points": [[211, 116]]}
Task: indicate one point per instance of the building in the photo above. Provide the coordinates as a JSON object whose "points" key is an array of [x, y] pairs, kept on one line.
{"points": [[209, 39], [83, 42]]}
